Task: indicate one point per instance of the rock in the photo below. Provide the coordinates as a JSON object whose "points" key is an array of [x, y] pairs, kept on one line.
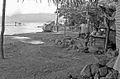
{"points": [[113, 74], [72, 41], [111, 62], [93, 50], [70, 47], [57, 41], [94, 68], [109, 53], [85, 50], [98, 52], [79, 45], [103, 71], [112, 53], [116, 52], [97, 76], [86, 71], [78, 50], [62, 45], [102, 62], [68, 38], [66, 44], [109, 76], [75, 47]]}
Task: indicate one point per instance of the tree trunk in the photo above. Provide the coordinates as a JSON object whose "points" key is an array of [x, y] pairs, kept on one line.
{"points": [[3, 29], [65, 27], [57, 19]]}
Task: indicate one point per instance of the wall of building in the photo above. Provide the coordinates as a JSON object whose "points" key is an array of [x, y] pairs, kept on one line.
{"points": [[117, 17]]}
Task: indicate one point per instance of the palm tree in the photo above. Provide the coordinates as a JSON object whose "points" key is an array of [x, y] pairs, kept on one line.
{"points": [[57, 16], [3, 29], [56, 2]]}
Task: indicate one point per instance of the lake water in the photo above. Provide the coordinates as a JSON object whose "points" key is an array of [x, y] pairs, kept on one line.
{"points": [[26, 28]]}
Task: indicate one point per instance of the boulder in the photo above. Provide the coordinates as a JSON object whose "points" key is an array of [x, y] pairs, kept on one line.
{"points": [[66, 45], [68, 38], [112, 53], [79, 45], [72, 41], [112, 74], [93, 50], [75, 47], [57, 41], [85, 50], [86, 71], [103, 71], [70, 47], [94, 68], [97, 75], [62, 45], [103, 62], [116, 52]]}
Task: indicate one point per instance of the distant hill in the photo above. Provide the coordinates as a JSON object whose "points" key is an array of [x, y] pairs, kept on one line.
{"points": [[41, 17]]}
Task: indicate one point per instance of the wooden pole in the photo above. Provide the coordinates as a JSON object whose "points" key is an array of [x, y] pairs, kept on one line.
{"points": [[107, 34], [57, 18], [3, 29]]}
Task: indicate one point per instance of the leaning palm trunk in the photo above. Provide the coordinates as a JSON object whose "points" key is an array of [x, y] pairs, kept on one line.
{"points": [[3, 29]]}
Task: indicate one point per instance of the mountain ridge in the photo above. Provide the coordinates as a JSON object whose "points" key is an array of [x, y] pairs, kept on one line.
{"points": [[40, 17]]}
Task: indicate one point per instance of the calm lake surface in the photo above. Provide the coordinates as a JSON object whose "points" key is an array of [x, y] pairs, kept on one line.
{"points": [[23, 28]]}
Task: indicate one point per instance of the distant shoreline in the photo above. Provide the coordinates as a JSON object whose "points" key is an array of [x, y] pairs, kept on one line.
{"points": [[26, 28]]}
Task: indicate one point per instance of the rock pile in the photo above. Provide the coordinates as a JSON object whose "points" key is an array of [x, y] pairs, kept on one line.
{"points": [[70, 43], [112, 53], [99, 52], [99, 71]]}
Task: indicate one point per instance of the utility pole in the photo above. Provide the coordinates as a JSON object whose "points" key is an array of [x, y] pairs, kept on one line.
{"points": [[3, 29], [57, 18]]}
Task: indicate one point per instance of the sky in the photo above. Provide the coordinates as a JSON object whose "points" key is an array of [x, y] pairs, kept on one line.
{"points": [[29, 6]]}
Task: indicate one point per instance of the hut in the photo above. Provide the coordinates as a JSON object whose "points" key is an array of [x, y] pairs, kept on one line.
{"points": [[117, 17]]}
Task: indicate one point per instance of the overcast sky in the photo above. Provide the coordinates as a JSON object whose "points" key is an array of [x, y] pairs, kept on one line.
{"points": [[29, 6]]}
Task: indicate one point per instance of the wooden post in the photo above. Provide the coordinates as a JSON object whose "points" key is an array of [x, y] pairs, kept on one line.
{"points": [[57, 18], [3, 29], [107, 34]]}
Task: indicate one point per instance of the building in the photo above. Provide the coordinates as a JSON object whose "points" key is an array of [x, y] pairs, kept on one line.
{"points": [[117, 17]]}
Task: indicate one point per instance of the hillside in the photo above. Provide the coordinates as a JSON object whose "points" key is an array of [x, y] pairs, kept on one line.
{"points": [[41, 17]]}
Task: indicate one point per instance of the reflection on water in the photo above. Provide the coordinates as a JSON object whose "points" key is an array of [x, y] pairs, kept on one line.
{"points": [[27, 40], [27, 28], [33, 42], [20, 38]]}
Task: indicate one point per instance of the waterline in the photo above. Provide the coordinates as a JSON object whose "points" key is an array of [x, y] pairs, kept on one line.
{"points": [[27, 40], [27, 28]]}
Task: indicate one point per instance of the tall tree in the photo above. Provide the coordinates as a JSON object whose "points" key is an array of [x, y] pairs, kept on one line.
{"points": [[3, 29], [56, 2]]}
